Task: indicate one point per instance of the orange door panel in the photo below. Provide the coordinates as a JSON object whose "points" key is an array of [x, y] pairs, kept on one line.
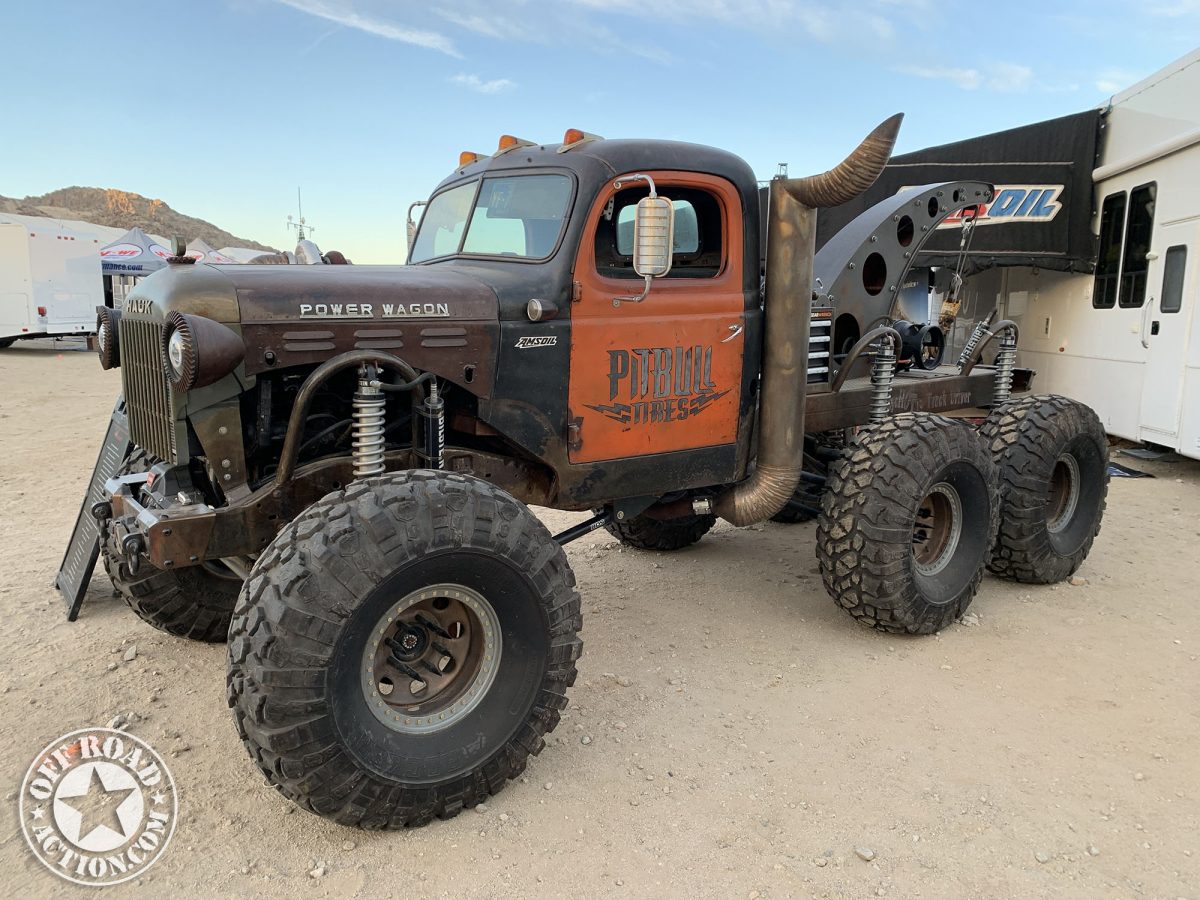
{"points": [[664, 374]]}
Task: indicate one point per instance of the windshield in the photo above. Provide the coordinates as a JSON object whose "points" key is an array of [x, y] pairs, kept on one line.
{"points": [[520, 215]]}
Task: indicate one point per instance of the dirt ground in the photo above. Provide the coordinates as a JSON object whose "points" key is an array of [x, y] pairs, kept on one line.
{"points": [[732, 733]]}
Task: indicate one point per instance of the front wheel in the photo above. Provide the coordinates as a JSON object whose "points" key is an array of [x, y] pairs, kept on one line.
{"points": [[1053, 459], [402, 648], [908, 518]]}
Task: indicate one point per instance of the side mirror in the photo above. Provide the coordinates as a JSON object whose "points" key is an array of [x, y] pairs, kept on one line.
{"points": [[653, 237]]}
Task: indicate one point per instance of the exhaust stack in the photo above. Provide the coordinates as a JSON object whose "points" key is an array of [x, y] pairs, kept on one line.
{"points": [[791, 244]]}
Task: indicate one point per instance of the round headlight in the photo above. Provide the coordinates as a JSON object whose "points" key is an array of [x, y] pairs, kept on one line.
{"points": [[197, 351], [175, 350], [108, 342]]}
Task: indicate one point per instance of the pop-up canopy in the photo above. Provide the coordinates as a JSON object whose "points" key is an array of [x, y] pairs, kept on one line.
{"points": [[133, 253], [202, 252]]}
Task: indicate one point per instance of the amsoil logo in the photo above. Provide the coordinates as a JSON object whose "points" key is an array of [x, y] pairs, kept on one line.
{"points": [[548, 340], [1013, 203], [98, 807], [661, 384]]}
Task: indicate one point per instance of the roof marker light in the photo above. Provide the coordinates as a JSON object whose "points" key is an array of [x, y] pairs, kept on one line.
{"points": [[467, 157], [509, 142], [574, 137]]}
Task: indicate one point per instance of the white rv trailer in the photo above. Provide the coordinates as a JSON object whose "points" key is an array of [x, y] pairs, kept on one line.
{"points": [[1126, 340], [50, 281]]}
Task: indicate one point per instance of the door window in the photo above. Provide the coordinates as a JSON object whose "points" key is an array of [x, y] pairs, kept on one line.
{"points": [[1172, 287], [1134, 264], [697, 250]]}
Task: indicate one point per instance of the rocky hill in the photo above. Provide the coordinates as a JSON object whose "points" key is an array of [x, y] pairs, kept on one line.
{"points": [[122, 209]]}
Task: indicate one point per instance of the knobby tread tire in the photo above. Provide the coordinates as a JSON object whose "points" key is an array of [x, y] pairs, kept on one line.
{"points": [[645, 533], [1026, 437], [865, 530], [294, 606], [189, 602]]}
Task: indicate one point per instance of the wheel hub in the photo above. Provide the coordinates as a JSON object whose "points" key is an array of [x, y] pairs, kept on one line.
{"points": [[431, 658], [937, 529], [1062, 497]]}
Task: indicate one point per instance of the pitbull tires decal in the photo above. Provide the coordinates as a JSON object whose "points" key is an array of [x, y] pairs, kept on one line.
{"points": [[658, 384]]}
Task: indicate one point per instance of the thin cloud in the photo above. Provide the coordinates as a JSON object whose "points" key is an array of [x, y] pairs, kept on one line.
{"points": [[967, 79], [475, 83], [343, 15], [1001, 77]]}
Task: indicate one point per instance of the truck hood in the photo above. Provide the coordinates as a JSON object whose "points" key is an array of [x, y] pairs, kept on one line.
{"points": [[359, 294]]}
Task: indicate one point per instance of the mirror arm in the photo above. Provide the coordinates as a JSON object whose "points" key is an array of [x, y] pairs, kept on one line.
{"points": [[639, 298], [621, 182]]}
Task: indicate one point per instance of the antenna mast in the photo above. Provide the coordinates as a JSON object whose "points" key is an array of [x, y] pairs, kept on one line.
{"points": [[300, 225]]}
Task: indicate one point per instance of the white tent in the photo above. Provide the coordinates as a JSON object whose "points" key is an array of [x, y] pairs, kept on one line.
{"points": [[202, 252]]}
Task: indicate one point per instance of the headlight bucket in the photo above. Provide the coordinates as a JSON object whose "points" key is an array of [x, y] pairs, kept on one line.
{"points": [[108, 339], [207, 351]]}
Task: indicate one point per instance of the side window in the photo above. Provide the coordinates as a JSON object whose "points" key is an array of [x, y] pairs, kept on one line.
{"points": [[1108, 264], [698, 245], [1172, 287], [1134, 264]]}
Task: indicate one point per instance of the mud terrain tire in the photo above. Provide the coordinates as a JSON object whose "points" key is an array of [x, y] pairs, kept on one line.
{"points": [[645, 533], [191, 602], [906, 524], [325, 593], [1052, 454]]}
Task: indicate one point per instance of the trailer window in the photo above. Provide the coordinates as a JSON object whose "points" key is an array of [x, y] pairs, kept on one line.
{"points": [[1108, 264], [1134, 264], [1172, 287]]}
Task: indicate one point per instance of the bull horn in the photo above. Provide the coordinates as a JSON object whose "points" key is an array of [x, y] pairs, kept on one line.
{"points": [[854, 174]]}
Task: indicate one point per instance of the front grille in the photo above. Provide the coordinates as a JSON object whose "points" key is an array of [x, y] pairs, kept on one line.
{"points": [[148, 399]]}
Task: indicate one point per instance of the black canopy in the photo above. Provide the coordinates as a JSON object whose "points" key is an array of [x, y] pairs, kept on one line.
{"points": [[1041, 214]]}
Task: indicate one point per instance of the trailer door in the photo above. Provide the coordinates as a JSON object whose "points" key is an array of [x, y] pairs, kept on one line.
{"points": [[1167, 322]]}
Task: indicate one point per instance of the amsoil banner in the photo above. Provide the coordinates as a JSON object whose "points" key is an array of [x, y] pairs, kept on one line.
{"points": [[1041, 213]]}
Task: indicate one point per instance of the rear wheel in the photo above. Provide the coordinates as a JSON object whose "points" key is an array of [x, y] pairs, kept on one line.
{"points": [[195, 602], [1052, 454], [5, 343], [402, 648], [646, 533], [906, 524]]}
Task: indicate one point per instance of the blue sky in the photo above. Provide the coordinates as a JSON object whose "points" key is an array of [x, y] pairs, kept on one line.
{"points": [[222, 108]]}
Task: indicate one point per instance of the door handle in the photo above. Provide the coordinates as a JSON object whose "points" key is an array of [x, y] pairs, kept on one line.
{"points": [[1145, 319], [734, 331]]}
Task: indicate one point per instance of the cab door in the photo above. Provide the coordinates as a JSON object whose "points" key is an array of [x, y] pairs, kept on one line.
{"points": [[664, 374]]}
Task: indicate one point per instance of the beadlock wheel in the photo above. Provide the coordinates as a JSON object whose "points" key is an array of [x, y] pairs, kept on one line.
{"points": [[432, 659]]}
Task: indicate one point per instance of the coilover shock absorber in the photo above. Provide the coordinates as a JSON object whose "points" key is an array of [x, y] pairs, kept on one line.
{"points": [[981, 328], [433, 416], [1006, 358], [882, 373], [368, 417]]}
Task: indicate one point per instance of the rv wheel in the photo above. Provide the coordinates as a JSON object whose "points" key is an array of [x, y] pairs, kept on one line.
{"points": [[5, 343], [906, 523], [194, 602], [1052, 454], [402, 647]]}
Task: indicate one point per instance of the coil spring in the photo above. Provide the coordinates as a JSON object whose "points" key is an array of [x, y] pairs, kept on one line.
{"points": [[367, 429], [1006, 358], [882, 373]]}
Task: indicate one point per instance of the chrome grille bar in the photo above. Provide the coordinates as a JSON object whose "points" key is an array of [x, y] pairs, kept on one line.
{"points": [[148, 397]]}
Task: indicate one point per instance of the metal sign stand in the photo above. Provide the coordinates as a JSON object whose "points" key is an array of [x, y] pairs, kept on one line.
{"points": [[84, 548]]}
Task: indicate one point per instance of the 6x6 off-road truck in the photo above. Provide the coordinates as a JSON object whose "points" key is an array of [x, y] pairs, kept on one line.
{"points": [[332, 465]]}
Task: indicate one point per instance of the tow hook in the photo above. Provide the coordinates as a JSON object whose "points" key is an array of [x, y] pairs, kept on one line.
{"points": [[133, 545]]}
